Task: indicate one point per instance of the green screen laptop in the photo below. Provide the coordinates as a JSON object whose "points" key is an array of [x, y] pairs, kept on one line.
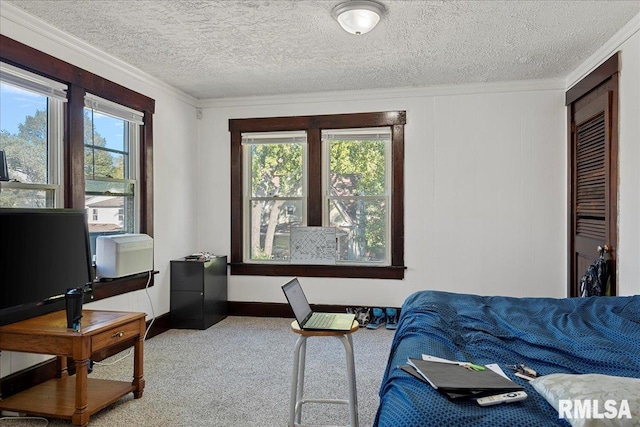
{"points": [[307, 319]]}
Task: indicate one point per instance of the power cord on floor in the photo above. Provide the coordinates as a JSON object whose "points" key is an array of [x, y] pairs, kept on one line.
{"points": [[153, 318]]}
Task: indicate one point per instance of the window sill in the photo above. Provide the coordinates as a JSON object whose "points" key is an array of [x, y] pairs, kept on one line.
{"points": [[111, 287], [363, 272]]}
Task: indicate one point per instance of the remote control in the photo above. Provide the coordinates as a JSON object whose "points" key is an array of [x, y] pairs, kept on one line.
{"points": [[513, 396]]}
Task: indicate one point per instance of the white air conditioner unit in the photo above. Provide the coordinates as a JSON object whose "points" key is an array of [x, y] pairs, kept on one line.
{"points": [[123, 255]]}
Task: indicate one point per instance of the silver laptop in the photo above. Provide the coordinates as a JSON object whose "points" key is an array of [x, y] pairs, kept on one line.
{"points": [[309, 320]]}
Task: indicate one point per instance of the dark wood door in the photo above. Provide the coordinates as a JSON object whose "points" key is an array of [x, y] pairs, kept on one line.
{"points": [[593, 184]]}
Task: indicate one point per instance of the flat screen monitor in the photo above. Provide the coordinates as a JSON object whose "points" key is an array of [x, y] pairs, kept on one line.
{"points": [[43, 253]]}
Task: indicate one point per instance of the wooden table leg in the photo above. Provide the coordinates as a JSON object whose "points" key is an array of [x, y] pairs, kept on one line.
{"points": [[61, 367], [138, 363], [81, 416]]}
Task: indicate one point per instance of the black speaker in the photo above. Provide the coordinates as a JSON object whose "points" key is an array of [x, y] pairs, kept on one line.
{"points": [[73, 302], [4, 170]]}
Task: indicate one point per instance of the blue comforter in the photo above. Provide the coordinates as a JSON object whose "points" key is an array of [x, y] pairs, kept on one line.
{"points": [[570, 335]]}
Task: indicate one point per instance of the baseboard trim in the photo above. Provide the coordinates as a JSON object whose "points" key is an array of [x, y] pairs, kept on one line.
{"points": [[274, 309], [44, 371]]}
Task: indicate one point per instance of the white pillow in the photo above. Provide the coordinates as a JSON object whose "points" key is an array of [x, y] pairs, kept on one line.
{"points": [[592, 399]]}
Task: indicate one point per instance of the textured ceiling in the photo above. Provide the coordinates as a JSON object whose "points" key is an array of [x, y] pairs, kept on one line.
{"points": [[234, 48]]}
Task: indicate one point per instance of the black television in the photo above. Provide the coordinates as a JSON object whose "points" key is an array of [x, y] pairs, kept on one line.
{"points": [[43, 253]]}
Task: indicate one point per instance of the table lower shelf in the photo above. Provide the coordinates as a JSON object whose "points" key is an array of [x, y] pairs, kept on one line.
{"points": [[56, 398]]}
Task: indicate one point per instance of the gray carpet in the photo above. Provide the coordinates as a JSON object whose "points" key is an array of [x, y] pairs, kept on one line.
{"points": [[238, 373]]}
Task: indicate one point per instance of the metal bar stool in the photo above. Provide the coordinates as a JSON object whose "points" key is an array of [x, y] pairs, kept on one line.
{"points": [[297, 385]]}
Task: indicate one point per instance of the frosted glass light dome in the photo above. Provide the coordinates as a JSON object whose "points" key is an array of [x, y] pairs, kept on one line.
{"points": [[358, 16]]}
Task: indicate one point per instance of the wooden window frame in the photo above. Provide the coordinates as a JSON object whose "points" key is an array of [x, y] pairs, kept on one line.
{"points": [[313, 125], [79, 82]]}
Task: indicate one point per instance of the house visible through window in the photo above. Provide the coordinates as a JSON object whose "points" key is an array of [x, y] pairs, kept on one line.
{"points": [[338, 171], [110, 140], [31, 111]]}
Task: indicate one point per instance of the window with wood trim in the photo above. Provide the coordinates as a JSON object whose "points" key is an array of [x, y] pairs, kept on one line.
{"points": [[342, 171], [79, 83]]}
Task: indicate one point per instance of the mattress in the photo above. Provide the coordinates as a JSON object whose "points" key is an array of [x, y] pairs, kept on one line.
{"points": [[571, 335]]}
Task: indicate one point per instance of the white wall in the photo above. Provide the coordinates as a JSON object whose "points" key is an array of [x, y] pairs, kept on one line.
{"points": [[629, 157], [174, 153], [485, 202], [485, 198], [627, 41]]}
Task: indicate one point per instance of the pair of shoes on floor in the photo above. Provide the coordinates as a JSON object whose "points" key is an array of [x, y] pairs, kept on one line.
{"points": [[362, 315], [392, 317], [388, 316]]}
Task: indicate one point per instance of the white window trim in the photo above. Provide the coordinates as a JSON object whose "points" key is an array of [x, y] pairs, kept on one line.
{"points": [[113, 109], [56, 94], [134, 120], [350, 132], [249, 139], [134, 150], [55, 135], [33, 82]]}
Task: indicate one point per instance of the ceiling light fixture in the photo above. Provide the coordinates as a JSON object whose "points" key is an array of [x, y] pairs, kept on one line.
{"points": [[358, 16]]}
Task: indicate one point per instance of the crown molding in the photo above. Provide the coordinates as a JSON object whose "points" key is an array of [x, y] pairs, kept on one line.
{"points": [[603, 53], [390, 94], [15, 21]]}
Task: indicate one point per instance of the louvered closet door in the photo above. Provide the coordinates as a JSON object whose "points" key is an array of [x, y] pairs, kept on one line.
{"points": [[593, 189]]}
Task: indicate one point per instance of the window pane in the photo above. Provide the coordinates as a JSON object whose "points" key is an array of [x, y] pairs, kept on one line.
{"points": [[276, 170], [109, 188], [105, 216], [357, 162], [361, 228], [109, 184], [357, 203], [27, 198], [103, 164], [270, 223], [23, 134], [106, 213], [106, 146], [110, 207]]}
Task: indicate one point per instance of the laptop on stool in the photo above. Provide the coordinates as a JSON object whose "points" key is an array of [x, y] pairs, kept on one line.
{"points": [[310, 320]]}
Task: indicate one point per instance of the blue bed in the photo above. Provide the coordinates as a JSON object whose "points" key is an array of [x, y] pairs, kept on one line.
{"points": [[571, 335]]}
